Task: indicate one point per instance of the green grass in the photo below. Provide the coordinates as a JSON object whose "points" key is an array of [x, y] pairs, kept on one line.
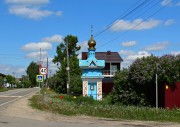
{"points": [[86, 106], [3, 89], [48, 91]]}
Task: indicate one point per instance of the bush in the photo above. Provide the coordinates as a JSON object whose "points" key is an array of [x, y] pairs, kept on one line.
{"points": [[124, 92]]}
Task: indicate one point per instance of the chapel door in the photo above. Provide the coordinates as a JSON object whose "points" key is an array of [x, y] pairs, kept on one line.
{"points": [[92, 90]]}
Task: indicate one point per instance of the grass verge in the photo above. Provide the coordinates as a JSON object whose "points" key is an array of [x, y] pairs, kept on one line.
{"points": [[3, 89], [67, 105]]}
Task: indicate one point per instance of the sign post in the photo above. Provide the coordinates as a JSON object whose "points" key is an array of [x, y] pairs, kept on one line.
{"points": [[39, 78], [43, 71]]}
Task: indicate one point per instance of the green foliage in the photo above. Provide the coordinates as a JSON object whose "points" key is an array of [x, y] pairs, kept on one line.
{"points": [[1, 81], [124, 92], [72, 107], [32, 71], [25, 82], [133, 86], [10, 79], [79, 100], [60, 85], [75, 72], [142, 71], [168, 69], [3, 89]]}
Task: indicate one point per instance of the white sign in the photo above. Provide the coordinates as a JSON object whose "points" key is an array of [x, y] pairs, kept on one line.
{"points": [[43, 71]]}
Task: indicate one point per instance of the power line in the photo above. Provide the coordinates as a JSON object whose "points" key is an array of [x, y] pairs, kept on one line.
{"points": [[123, 16], [148, 8], [132, 27]]}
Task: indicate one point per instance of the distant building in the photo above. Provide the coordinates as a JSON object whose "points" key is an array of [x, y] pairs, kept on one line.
{"points": [[2, 83]]}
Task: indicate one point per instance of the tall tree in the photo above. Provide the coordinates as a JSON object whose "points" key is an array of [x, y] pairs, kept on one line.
{"points": [[32, 71], [11, 80], [168, 69], [75, 71], [1, 81], [142, 74], [25, 81]]}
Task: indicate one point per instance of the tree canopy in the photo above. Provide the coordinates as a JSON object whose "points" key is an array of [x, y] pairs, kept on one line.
{"points": [[32, 71], [135, 85], [10, 79], [75, 71]]}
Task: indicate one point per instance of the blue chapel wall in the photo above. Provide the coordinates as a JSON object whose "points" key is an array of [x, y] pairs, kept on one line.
{"points": [[91, 72], [91, 54]]}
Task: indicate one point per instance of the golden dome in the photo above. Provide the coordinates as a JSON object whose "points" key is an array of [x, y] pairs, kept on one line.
{"points": [[92, 43]]}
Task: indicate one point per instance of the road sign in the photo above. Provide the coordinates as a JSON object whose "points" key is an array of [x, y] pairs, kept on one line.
{"points": [[39, 78], [43, 71]]}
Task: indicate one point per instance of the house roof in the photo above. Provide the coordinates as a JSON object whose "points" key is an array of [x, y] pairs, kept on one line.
{"points": [[107, 56]]}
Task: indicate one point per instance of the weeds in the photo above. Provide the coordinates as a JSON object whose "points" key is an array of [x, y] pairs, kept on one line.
{"points": [[86, 106]]}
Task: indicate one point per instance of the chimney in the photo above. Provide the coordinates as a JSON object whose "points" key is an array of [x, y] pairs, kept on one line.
{"points": [[108, 52]]}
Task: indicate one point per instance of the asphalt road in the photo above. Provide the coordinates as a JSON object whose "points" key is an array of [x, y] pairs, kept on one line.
{"points": [[15, 112], [13, 95]]}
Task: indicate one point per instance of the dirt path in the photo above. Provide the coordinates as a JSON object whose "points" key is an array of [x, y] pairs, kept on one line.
{"points": [[21, 109]]}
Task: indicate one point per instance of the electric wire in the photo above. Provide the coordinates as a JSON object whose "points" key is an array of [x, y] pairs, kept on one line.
{"points": [[123, 16], [143, 11], [132, 27]]}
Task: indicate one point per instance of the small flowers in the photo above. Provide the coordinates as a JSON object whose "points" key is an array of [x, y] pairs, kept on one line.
{"points": [[61, 97]]}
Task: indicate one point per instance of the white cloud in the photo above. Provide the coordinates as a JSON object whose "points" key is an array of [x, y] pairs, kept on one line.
{"points": [[54, 38], [12, 70], [178, 4], [140, 54], [131, 57], [84, 47], [157, 47], [129, 43], [126, 64], [169, 22], [126, 52], [27, 1], [137, 24], [30, 9], [166, 2], [36, 46], [58, 13], [36, 55], [175, 53], [31, 13]]}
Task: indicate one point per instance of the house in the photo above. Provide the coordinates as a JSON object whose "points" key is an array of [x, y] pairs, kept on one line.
{"points": [[2, 76], [112, 64]]}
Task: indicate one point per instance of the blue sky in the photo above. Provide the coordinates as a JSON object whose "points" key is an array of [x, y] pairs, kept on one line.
{"points": [[133, 28]]}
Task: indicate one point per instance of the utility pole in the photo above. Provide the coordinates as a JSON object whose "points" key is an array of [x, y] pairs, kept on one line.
{"points": [[68, 69], [47, 74], [40, 56], [40, 65], [47, 68], [156, 86]]}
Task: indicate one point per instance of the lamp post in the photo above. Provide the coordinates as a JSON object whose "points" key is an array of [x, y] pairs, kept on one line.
{"points": [[5, 80], [68, 69], [156, 86]]}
